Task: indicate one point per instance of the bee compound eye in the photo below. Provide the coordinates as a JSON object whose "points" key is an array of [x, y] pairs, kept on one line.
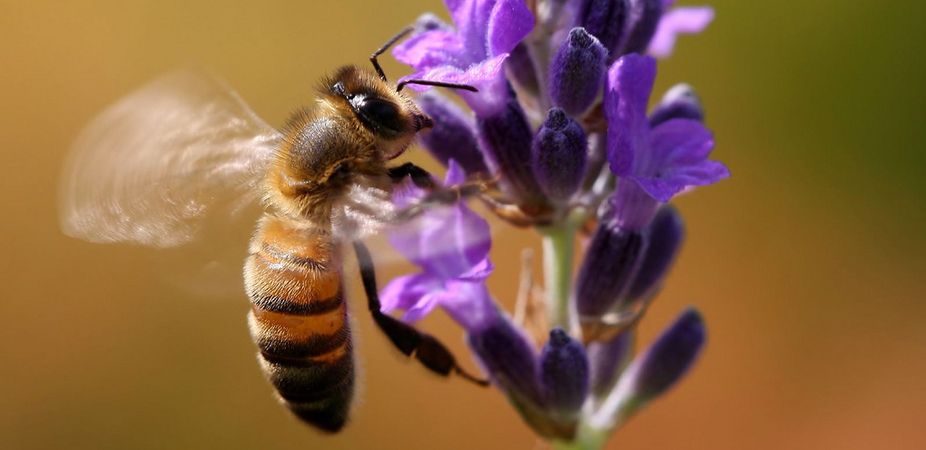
{"points": [[381, 113]]}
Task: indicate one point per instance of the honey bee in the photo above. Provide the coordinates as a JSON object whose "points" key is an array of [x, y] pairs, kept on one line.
{"points": [[150, 168]]}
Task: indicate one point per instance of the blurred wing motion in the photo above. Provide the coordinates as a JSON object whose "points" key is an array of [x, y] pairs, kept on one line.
{"points": [[149, 168]]}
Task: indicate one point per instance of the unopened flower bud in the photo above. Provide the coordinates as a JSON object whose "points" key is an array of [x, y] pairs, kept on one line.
{"points": [[577, 72], [664, 237], [610, 265], [680, 102], [607, 360], [506, 137], [564, 374], [453, 135], [604, 19], [509, 357], [521, 68], [558, 155], [657, 369], [642, 22]]}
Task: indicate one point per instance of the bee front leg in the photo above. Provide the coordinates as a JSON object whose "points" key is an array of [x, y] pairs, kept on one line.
{"points": [[422, 178], [430, 352]]}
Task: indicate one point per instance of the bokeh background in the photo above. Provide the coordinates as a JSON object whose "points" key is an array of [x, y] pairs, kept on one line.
{"points": [[808, 264]]}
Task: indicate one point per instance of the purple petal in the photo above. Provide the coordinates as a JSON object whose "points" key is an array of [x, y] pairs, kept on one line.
{"points": [[678, 141], [430, 49], [471, 18], [509, 23], [679, 150], [446, 242], [479, 272], [488, 76], [406, 292], [406, 193], [678, 21], [629, 83], [476, 75], [455, 174], [424, 306], [469, 304], [682, 179], [471, 234], [631, 207]]}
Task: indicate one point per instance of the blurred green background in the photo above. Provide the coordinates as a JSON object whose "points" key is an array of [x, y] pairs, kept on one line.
{"points": [[808, 264]]}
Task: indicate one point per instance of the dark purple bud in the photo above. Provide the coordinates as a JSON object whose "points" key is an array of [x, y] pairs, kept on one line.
{"points": [[453, 135], [604, 19], [577, 72], [664, 237], [607, 360], [506, 138], [564, 373], [643, 20], [680, 102], [509, 358], [558, 155], [521, 69], [666, 360], [610, 265]]}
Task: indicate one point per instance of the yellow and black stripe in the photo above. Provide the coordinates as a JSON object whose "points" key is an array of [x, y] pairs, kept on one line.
{"points": [[298, 320]]}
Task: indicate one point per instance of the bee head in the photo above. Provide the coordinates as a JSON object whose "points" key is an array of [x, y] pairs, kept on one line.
{"points": [[389, 117]]}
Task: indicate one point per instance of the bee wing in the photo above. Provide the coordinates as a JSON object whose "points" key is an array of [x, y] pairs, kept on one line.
{"points": [[149, 168]]}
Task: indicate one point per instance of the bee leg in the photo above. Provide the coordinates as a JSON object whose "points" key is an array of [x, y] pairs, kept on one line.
{"points": [[425, 348], [422, 178]]}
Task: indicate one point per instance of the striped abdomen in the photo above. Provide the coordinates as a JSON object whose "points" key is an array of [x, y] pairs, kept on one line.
{"points": [[298, 320]]}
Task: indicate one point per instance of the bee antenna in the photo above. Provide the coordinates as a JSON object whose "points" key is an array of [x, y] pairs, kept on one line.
{"points": [[464, 87], [379, 69]]}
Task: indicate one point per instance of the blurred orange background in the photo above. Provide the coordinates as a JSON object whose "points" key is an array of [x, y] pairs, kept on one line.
{"points": [[808, 263]]}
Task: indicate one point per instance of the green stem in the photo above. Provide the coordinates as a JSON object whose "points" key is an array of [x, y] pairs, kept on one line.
{"points": [[586, 439], [558, 245]]}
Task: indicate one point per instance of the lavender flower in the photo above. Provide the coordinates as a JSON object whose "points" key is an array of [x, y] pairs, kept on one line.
{"points": [[487, 31], [548, 390], [453, 273], [571, 146], [675, 21], [473, 53], [654, 164]]}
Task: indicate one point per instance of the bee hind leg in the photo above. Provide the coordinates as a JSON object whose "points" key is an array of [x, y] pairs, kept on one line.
{"points": [[430, 352]]}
